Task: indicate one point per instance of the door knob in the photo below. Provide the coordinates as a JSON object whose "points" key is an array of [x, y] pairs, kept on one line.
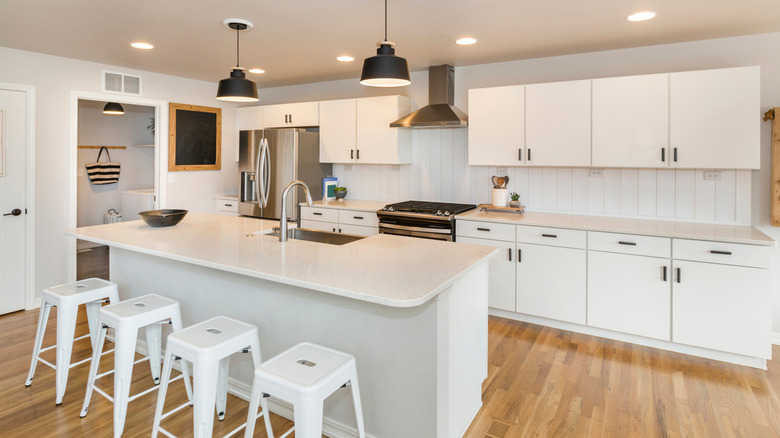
{"points": [[14, 212]]}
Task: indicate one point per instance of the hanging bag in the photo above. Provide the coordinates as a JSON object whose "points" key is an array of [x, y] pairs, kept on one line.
{"points": [[105, 172]]}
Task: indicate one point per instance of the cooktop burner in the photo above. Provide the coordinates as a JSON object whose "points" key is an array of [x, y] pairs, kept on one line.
{"points": [[428, 207]]}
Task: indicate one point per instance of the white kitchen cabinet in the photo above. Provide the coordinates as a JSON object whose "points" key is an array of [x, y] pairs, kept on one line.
{"points": [[557, 124], [497, 126], [226, 205], [358, 131], [631, 121], [291, 115], [321, 226], [501, 272], [715, 118], [359, 222], [249, 118]]}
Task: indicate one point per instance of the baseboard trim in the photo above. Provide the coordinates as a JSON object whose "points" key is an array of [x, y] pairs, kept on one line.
{"points": [[775, 338]]}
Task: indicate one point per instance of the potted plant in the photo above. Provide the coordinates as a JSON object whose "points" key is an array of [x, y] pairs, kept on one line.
{"points": [[515, 202], [340, 192]]}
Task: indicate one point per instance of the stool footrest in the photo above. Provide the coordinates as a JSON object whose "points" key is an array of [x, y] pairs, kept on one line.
{"points": [[292, 429]]}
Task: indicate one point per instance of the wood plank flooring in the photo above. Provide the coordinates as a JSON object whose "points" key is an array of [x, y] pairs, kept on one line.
{"points": [[542, 382]]}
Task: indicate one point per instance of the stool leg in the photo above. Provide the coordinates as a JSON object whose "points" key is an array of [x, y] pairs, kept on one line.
{"points": [[154, 346], [93, 316], [356, 402], [93, 368], [166, 376], [204, 397], [307, 413], [43, 318], [222, 377], [176, 326], [66, 327], [124, 355], [254, 399]]}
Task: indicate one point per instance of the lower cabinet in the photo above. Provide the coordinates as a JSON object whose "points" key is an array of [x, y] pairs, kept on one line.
{"points": [[361, 223], [501, 272]]}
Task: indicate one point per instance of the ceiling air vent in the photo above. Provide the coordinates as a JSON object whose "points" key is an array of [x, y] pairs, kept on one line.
{"points": [[121, 83]]}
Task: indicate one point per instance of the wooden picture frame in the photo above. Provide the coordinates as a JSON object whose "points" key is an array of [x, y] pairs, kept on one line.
{"points": [[195, 137]]}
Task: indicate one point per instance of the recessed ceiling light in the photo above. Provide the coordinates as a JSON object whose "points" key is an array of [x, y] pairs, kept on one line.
{"points": [[466, 41], [144, 46], [256, 71], [345, 58], [641, 16]]}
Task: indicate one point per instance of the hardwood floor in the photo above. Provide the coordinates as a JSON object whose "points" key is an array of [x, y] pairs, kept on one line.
{"points": [[542, 382]]}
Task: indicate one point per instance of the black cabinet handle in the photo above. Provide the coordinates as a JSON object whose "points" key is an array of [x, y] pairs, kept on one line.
{"points": [[550, 235], [228, 205], [339, 230], [357, 217], [720, 252], [290, 118], [519, 155], [519, 255], [529, 154], [510, 254], [679, 272], [14, 212], [483, 229], [358, 153], [675, 155], [334, 230], [664, 274], [317, 214], [285, 118], [623, 242], [351, 154], [663, 154]]}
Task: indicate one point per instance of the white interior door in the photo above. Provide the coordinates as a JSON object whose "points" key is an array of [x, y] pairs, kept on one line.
{"points": [[12, 201]]}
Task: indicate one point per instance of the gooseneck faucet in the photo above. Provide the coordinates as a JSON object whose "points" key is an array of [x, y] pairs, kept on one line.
{"points": [[283, 221]]}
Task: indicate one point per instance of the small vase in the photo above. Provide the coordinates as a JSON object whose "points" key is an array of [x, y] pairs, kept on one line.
{"points": [[514, 204], [499, 197], [340, 194]]}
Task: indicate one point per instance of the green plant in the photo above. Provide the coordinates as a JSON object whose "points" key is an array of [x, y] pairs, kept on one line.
{"points": [[339, 189], [514, 196], [150, 127]]}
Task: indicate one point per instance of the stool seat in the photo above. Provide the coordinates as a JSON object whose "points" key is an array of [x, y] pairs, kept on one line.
{"points": [[306, 367], [91, 292]]}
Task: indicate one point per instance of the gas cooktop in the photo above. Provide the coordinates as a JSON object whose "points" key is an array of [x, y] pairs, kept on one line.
{"points": [[427, 207]]}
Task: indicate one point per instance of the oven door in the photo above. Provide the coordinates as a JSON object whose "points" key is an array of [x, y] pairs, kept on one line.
{"points": [[419, 232]]}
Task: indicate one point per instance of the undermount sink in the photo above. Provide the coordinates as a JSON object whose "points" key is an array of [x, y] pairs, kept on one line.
{"points": [[317, 236]]}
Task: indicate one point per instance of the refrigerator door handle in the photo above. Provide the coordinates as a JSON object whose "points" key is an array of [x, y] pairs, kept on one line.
{"points": [[259, 177], [266, 174]]}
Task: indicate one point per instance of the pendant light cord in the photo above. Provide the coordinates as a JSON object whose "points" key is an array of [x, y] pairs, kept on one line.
{"points": [[237, 43], [385, 20]]}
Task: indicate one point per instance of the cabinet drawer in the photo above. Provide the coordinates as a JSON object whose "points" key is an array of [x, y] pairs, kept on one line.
{"points": [[723, 253], [321, 226], [358, 230], [485, 230], [552, 236], [225, 205], [630, 244], [320, 214], [357, 217]]}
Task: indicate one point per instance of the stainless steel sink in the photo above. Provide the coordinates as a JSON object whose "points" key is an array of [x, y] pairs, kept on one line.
{"points": [[317, 236]]}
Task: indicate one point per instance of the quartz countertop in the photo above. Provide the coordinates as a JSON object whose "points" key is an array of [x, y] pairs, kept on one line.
{"points": [[678, 230], [389, 270], [351, 204], [231, 197]]}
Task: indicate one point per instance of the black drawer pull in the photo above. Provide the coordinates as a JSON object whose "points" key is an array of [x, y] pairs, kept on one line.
{"points": [[623, 242], [483, 229], [675, 155], [510, 254], [679, 275], [554, 236], [663, 154], [351, 154], [519, 255], [519, 155], [228, 205], [664, 273], [720, 252], [529, 154], [357, 217], [358, 153], [317, 214]]}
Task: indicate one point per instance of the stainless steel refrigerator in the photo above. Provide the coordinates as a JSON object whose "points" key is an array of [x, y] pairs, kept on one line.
{"points": [[270, 159]]}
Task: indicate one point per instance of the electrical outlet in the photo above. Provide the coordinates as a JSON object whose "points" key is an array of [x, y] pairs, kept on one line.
{"points": [[596, 173], [395, 168], [502, 171], [347, 168], [712, 176]]}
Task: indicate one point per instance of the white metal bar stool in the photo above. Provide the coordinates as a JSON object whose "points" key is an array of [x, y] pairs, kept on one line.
{"points": [[147, 311], [305, 375], [91, 292], [208, 346]]}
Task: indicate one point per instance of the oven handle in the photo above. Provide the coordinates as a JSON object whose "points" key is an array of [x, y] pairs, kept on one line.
{"points": [[408, 228]]}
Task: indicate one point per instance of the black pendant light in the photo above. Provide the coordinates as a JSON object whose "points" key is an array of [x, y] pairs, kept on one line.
{"points": [[237, 88], [385, 69], [113, 108]]}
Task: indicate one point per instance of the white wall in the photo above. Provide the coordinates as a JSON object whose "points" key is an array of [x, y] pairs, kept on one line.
{"points": [[137, 171], [441, 160], [55, 78]]}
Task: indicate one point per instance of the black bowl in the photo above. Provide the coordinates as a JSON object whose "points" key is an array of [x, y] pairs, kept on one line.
{"points": [[162, 218]]}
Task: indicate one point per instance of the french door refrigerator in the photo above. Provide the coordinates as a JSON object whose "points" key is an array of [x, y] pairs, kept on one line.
{"points": [[269, 159]]}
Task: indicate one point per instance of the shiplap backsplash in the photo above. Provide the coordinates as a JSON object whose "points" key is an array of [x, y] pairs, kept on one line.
{"points": [[439, 171]]}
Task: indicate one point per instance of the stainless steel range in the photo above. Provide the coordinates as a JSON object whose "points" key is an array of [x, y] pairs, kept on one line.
{"points": [[424, 219]]}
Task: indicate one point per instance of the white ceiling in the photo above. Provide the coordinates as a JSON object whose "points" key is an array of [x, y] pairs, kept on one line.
{"points": [[297, 41]]}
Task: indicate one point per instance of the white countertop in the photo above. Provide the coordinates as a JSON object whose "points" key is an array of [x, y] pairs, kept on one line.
{"points": [[352, 204], [231, 197], [679, 230], [389, 270]]}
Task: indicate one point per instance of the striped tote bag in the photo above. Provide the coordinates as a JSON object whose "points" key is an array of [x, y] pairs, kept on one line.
{"points": [[105, 172]]}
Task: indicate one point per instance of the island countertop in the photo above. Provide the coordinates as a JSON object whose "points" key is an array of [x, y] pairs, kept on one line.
{"points": [[388, 270]]}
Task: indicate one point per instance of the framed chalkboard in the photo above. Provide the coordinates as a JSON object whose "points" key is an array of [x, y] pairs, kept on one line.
{"points": [[195, 141]]}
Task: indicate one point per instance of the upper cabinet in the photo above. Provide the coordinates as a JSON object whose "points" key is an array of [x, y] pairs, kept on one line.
{"points": [[715, 118], [249, 118], [291, 115], [358, 131], [497, 126], [557, 124], [631, 121]]}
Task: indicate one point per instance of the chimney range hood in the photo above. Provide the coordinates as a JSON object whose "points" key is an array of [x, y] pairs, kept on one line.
{"points": [[440, 111]]}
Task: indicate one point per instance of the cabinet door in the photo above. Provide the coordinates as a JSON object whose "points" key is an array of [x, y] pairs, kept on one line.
{"points": [[377, 142], [337, 131], [249, 118], [497, 126], [715, 118], [631, 121], [317, 225], [726, 308], [358, 230], [501, 272], [628, 293], [551, 282], [291, 115], [557, 124]]}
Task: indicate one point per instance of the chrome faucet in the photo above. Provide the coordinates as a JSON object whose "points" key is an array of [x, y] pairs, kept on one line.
{"points": [[283, 220]]}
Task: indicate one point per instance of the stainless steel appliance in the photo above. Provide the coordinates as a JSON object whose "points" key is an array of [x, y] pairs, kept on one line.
{"points": [[424, 219], [268, 160]]}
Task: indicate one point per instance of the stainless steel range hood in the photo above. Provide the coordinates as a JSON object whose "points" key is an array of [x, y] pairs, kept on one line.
{"points": [[440, 111]]}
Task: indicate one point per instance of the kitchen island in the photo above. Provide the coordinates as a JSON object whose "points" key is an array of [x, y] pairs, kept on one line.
{"points": [[413, 312]]}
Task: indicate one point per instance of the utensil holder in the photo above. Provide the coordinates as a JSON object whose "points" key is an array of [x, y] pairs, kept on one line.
{"points": [[500, 197]]}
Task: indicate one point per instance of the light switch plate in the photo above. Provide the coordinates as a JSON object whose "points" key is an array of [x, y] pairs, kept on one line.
{"points": [[395, 168], [712, 175], [347, 168], [596, 173], [501, 171]]}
